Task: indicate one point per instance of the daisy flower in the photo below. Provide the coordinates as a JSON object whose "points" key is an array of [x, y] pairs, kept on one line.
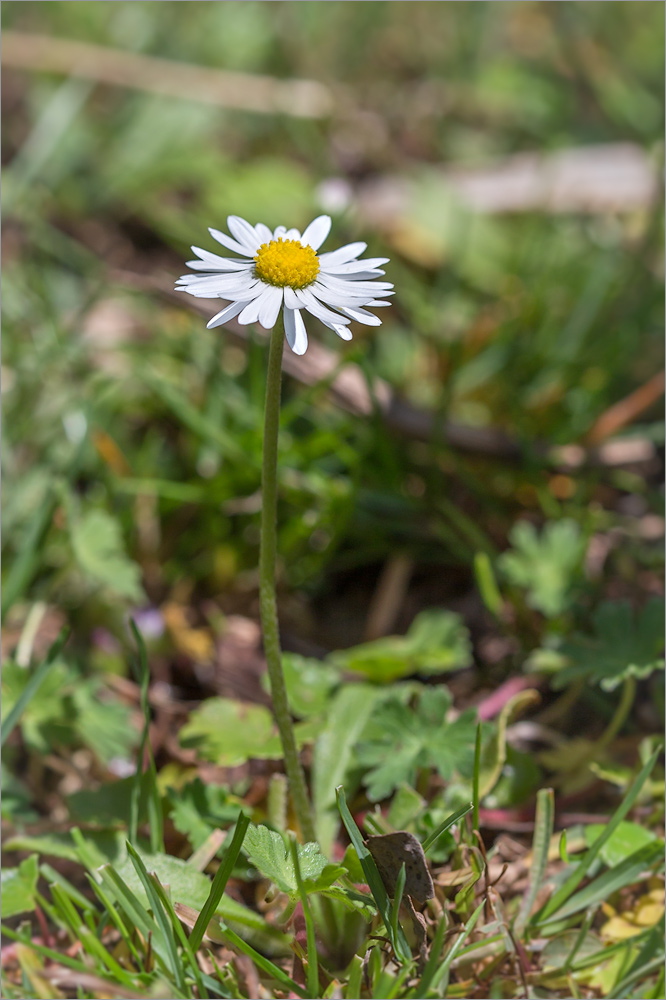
{"points": [[282, 269]]}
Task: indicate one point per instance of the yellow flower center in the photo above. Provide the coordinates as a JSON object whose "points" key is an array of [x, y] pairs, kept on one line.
{"points": [[286, 262]]}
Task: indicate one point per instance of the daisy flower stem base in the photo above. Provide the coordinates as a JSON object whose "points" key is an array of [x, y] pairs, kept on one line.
{"points": [[268, 603]]}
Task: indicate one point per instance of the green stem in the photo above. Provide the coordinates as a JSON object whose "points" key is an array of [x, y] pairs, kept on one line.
{"points": [[268, 603], [620, 716]]}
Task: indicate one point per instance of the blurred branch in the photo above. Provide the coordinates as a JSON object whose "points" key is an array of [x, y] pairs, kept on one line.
{"points": [[349, 389], [624, 412], [241, 91], [610, 177]]}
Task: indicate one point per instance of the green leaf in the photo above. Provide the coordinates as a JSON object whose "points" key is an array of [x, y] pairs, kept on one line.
{"points": [[108, 805], [229, 732], [333, 752], [627, 872], [64, 710], [19, 886], [310, 684], [494, 754], [622, 645], [30, 687], [400, 739], [104, 725], [102, 845], [197, 809], [268, 852], [436, 642], [547, 566], [99, 551], [626, 839]]}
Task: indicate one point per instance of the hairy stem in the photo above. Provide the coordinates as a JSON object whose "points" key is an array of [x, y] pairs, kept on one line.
{"points": [[268, 604]]}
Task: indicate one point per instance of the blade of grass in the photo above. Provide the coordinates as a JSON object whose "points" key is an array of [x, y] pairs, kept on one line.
{"points": [[135, 910], [441, 978], [59, 957], [543, 831], [476, 779], [180, 933], [31, 688], [443, 827], [373, 878], [353, 988], [162, 920], [66, 910], [54, 877], [93, 946], [27, 559], [155, 818], [613, 879], [313, 962], [431, 967], [191, 417], [219, 882], [262, 963], [397, 900], [126, 933], [580, 871], [487, 584]]}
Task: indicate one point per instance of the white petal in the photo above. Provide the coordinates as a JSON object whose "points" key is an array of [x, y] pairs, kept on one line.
{"points": [[292, 234], [205, 265], [226, 314], [279, 232], [343, 254], [244, 233], [271, 303], [227, 242], [317, 231], [290, 300], [222, 263], [367, 264], [250, 313], [336, 298], [343, 331], [358, 288], [223, 285], [263, 232], [295, 331], [377, 302], [361, 316], [309, 302]]}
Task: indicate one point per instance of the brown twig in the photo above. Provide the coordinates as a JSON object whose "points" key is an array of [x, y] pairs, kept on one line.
{"points": [[241, 91], [624, 412]]}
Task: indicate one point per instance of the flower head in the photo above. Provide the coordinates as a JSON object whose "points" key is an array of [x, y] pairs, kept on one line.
{"points": [[283, 270]]}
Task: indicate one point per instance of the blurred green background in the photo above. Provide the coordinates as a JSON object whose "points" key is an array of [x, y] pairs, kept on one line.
{"points": [[528, 307]]}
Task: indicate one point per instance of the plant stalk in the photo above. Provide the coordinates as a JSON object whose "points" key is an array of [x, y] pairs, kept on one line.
{"points": [[267, 597]]}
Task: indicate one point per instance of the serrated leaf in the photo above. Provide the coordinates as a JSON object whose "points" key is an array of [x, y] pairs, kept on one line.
{"points": [[548, 566], [98, 548], [623, 644], [197, 809], [268, 852], [400, 739], [19, 886]]}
